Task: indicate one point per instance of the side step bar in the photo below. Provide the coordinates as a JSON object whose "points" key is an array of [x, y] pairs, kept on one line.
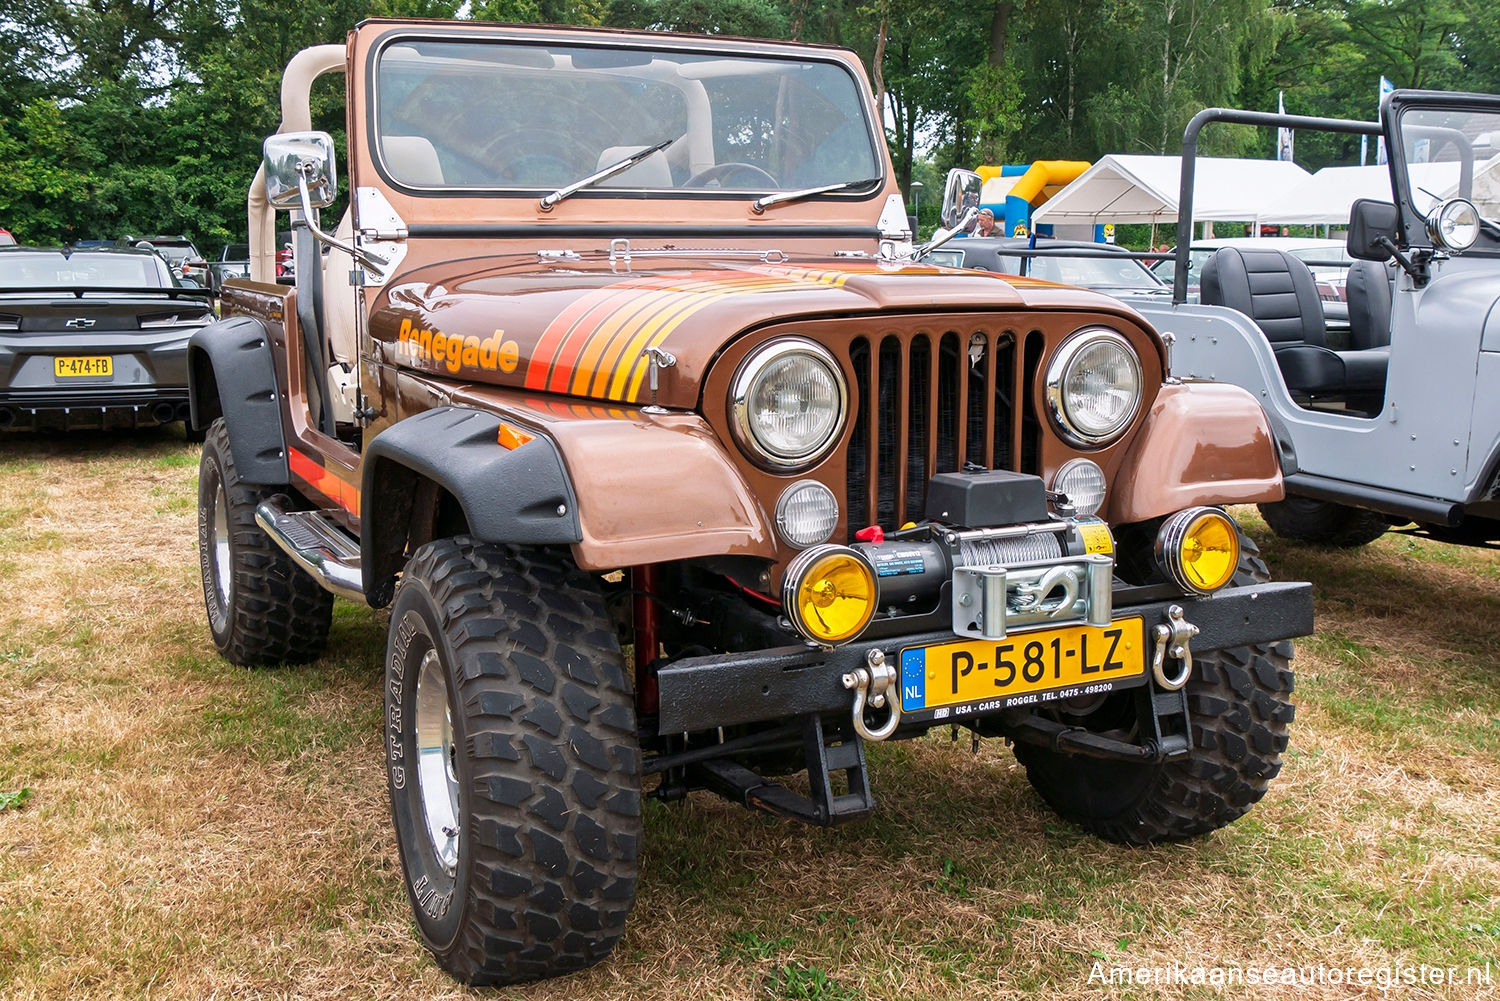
{"points": [[318, 545], [1427, 510]]}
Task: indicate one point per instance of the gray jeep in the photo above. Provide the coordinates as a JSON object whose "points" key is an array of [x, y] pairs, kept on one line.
{"points": [[1393, 425]]}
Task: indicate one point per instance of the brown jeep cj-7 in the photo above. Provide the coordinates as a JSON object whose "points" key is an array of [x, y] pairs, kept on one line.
{"points": [[621, 385]]}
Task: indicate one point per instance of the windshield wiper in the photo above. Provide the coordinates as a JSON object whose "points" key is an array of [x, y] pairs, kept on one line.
{"points": [[761, 204], [603, 174]]}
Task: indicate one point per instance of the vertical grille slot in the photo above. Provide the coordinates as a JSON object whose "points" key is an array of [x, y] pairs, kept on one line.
{"points": [[929, 402]]}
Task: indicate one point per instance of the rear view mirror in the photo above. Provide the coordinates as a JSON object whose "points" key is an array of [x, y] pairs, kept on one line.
{"points": [[960, 195], [1373, 227], [297, 158]]}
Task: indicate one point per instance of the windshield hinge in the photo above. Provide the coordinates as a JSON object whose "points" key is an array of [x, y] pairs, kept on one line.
{"points": [[619, 253]]}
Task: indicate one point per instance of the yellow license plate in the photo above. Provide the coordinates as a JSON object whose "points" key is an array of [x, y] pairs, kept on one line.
{"points": [[1032, 668], [82, 366]]}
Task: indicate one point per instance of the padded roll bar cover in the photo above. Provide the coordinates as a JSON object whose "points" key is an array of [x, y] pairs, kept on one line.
{"points": [[520, 495], [231, 374]]}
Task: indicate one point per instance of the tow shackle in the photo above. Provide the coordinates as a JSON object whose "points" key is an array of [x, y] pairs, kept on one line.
{"points": [[874, 684]]}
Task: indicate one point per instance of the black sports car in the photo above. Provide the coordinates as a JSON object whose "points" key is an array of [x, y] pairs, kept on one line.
{"points": [[93, 338]]}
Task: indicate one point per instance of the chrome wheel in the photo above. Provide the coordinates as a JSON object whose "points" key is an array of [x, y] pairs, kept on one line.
{"points": [[222, 570], [437, 778]]}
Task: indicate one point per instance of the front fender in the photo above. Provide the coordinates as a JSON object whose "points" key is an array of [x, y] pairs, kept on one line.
{"points": [[232, 375], [1201, 443], [656, 488]]}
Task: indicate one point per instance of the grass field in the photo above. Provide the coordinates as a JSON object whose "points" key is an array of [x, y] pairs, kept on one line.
{"points": [[175, 827]]}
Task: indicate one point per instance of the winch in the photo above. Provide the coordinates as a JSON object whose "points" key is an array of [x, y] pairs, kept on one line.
{"points": [[991, 547]]}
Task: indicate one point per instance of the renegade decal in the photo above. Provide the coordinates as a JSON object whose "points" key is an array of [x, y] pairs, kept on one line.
{"points": [[453, 351]]}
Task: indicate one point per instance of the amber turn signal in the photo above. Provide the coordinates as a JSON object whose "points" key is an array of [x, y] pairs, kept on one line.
{"points": [[1199, 549], [511, 438], [829, 594]]}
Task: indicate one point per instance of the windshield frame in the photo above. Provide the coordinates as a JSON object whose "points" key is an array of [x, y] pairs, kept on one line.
{"points": [[1398, 105], [668, 44]]}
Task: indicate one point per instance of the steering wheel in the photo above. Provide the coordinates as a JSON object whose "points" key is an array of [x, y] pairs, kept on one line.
{"points": [[721, 175], [539, 157]]}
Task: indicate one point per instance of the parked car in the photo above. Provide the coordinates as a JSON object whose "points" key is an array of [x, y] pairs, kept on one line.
{"points": [[1402, 425], [93, 338], [6, 240], [592, 322], [233, 262], [1328, 260], [180, 253], [1099, 266]]}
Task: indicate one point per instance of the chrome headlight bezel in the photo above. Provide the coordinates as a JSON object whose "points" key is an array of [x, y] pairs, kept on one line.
{"points": [[1440, 222], [742, 424], [1057, 376]]}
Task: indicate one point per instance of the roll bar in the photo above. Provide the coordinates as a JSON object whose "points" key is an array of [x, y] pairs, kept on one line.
{"points": [[1265, 119]]}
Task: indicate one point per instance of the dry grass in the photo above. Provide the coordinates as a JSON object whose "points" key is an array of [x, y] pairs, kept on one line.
{"points": [[200, 831]]}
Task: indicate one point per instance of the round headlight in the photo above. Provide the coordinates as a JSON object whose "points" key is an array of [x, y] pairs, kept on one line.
{"points": [[1454, 225], [806, 514], [829, 594], [1094, 387], [1083, 482], [788, 403], [1198, 549]]}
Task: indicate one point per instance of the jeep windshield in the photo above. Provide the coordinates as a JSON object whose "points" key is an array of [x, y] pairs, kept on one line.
{"points": [[1453, 153], [510, 117]]}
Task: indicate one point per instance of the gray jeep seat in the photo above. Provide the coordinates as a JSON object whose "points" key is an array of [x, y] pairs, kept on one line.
{"points": [[1278, 292], [1369, 292]]}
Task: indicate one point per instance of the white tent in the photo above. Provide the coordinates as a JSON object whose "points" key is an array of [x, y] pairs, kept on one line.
{"points": [[1124, 188], [1327, 195]]}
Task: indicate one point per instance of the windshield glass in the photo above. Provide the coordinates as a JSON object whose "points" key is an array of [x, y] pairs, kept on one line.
{"points": [[1452, 153], [474, 114], [51, 270], [1092, 271]]}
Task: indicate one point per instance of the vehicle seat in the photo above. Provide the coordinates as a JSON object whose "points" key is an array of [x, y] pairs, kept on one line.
{"points": [[652, 172], [1278, 292], [412, 159], [1369, 292]]}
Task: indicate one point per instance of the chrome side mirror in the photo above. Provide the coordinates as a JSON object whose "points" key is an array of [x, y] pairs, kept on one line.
{"points": [[300, 171], [960, 195]]}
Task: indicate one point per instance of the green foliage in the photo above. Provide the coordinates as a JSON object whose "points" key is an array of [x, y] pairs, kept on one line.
{"points": [[133, 115], [15, 800]]}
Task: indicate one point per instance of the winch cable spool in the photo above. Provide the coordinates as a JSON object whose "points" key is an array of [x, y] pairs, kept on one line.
{"points": [[988, 552]]}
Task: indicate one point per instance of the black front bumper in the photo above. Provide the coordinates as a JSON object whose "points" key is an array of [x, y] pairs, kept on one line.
{"points": [[700, 693]]}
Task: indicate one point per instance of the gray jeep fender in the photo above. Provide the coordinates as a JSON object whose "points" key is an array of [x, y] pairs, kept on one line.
{"points": [[521, 495], [231, 375]]}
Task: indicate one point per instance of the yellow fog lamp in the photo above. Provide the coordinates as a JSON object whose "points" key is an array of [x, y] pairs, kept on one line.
{"points": [[829, 594], [1198, 549]]}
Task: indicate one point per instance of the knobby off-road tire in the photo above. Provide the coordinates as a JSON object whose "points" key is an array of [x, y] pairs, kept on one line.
{"points": [[1323, 522], [262, 608], [518, 819], [1239, 701]]}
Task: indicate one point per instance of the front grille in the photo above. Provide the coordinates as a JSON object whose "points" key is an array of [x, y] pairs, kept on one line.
{"points": [[931, 402]]}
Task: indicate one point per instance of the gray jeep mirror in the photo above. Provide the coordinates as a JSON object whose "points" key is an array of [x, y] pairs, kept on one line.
{"points": [[960, 194], [1372, 230], [293, 158]]}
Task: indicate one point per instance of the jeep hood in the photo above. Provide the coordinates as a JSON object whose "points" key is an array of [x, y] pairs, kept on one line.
{"points": [[582, 327]]}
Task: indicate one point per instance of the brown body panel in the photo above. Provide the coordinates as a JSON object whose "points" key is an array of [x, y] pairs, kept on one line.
{"points": [[1201, 443]]}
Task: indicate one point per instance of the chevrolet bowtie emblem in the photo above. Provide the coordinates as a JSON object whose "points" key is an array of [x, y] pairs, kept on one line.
{"points": [[80, 323]]}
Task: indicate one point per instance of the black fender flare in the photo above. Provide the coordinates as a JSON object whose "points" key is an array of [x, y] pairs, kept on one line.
{"points": [[231, 374], [521, 495]]}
